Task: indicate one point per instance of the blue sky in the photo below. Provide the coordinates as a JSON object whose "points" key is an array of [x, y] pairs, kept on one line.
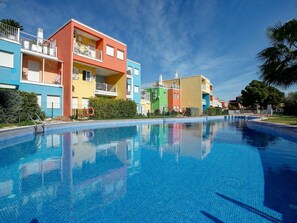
{"points": [[216, 38]]}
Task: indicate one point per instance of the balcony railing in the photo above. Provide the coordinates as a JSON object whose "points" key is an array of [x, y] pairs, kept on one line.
{"points": [[156, 84], [38, 45], [106, 89], [52, 79], [87, 51], [9, 32], [205, 88]]}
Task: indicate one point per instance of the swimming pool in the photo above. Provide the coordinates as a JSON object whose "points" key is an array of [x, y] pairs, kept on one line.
{"points": [[214, 171]]}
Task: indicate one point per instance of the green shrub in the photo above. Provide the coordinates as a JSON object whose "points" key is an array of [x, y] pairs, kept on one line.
{"points": [[15, 106], [290, 104], [192, 112], [10, 106], [213, 111], [106, 108], [30, 105]]}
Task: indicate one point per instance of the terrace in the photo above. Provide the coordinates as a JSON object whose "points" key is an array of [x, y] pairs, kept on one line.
{"points": [[106, 89], [85, 45], [9, 32], [36, 45]]}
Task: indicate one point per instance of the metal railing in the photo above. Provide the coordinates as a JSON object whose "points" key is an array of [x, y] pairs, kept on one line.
{"points": [[156, 84], [88, 51], [205, 87], [35, 44], [9, 32], [106, 87]]}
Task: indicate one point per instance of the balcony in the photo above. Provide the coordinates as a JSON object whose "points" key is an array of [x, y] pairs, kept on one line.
{"points": [[205, 88], [9, 32], [106, 89], [46, 79], [37, 46], [87, 51]]}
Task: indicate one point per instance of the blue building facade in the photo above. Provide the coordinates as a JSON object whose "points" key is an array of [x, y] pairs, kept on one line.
{"points": [[10, 63], [133, 86], [32, 65]]}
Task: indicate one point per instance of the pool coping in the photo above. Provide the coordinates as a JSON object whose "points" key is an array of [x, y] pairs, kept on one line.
{"points": [[274, 128], [255, 122], [11, 133]]}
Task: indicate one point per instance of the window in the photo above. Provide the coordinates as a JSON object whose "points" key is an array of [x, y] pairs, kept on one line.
{"points": [[85, 103], [87, 76], [39, 100], [174, 95], [75, 103], [33, 71], [129, 71], [53, 102], [177, 95], [75, 73], [110, 51], [136, 89], [120, 54], [6, 59], [136, 71]]}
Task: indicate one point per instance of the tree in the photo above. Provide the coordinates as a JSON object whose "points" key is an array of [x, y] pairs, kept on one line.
{"points": [[12, 22], [280, 60], [259, 93], [290, 104]]}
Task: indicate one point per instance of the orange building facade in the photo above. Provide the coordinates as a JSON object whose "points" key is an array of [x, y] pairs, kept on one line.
{"points": [[94, 65], [174, 99]]}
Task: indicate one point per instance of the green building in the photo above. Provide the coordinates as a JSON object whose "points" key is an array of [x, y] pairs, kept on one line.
{"points": [[159, 98]]}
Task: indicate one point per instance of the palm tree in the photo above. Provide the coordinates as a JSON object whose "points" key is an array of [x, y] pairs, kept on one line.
{"points": [[280, 60], [12, 22]]}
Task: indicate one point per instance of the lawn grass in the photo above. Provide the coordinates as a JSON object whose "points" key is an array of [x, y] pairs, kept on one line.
{"points": [[23, 123], [283, 119]]}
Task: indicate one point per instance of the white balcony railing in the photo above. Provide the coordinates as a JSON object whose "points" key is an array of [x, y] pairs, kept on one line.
{"points": [[87, 51], [38, 45], [9, 32], [106, 89], [156, 84]]}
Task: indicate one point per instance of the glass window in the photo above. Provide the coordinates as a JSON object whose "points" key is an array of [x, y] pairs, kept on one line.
{"points": [[110, 50], [129, 71], [120, 54], [75, 103], [75, 73], [39, 100], [6, 59], [33, 71], [136, 71], [85, 103], [53, 102], [87, 76], [136, 89]]}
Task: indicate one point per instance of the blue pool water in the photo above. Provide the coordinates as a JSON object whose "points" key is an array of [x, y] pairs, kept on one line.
{"points": [[195, 172]]}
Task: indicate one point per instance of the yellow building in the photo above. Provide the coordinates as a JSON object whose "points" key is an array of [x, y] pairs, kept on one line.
{"points": [[195, 92]]}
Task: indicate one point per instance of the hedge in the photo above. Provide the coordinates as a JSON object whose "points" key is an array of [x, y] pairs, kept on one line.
{"points": [[106, 108], [15, 106], [215, 111]]}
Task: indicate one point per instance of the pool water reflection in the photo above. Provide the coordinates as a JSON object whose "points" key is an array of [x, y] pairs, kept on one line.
{"points": [[182, 172]]}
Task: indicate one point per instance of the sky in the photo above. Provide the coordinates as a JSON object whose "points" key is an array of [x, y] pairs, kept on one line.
{"points": [[214, 38]]}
